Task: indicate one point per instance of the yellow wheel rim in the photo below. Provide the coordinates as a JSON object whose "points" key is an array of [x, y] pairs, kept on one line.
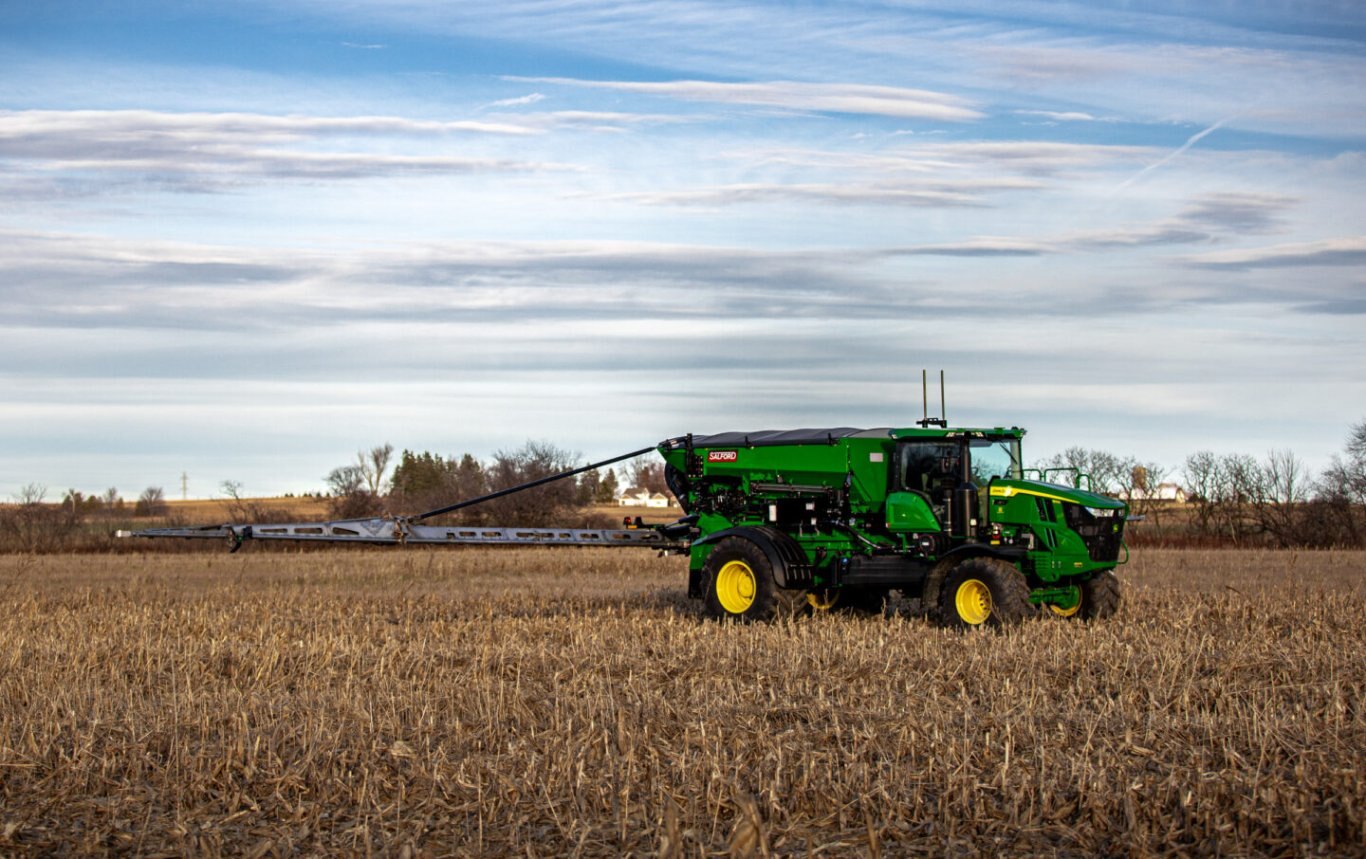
{"points": [[736, 587], [822, 601], [1065, 612], [973, 601]]}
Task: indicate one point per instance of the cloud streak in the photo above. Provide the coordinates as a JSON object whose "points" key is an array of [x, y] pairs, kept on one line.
{"points": [[203, 151], [1350, 251], [729, 195], [900, 102], [628, 218]]}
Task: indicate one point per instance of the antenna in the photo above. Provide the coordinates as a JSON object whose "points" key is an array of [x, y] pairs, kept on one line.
{"points": [[928, 421], [943, 410], [924, 397]]}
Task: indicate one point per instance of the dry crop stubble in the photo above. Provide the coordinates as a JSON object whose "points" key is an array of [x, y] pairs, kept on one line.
{"points": [[572, 702]]}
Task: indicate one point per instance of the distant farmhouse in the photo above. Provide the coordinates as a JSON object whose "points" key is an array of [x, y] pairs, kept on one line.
{"points": [[642, 498], [1162, 492]]}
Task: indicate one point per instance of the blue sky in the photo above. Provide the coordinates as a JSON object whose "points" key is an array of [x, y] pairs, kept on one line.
{"points": [[244, 240]]}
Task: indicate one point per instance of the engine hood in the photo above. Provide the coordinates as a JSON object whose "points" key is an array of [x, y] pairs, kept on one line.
{"points": [[1007, 488]]}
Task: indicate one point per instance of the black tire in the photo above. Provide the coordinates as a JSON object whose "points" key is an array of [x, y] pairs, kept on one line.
{"points": [[984, 592], [1099, 599], [1100, 596], [740, 584]]}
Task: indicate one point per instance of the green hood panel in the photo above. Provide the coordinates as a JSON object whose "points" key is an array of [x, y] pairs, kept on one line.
{"points": [[1005, 488]]}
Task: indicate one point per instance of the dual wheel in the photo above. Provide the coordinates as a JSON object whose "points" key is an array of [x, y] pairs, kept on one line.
{"points": [[979, 591], [990, 591], [741, 586]]}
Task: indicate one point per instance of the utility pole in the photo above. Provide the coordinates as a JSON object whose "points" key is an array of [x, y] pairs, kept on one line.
{"points": [[184, 486]]}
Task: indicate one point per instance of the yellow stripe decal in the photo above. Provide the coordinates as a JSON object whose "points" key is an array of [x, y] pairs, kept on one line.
{"points": [[1008, 491]]}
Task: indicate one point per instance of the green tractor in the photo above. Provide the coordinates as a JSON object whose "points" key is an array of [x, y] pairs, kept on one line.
{"points": [[820, 519], [778, 523]]}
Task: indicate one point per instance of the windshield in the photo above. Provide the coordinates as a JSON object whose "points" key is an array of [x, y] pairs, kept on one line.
{"points": [[995, 459]]}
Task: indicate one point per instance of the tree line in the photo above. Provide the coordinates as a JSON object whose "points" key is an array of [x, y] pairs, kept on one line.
{"points": [[32, 523], [377, 483], [1237, 499], [1231, 498], [422, 481]]}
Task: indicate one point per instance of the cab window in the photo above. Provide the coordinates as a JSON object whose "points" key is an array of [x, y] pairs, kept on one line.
{"points": [[994, 459], [929, 466]]}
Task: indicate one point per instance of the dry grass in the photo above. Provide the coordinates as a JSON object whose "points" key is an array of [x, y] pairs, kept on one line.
{"points": [[571, 702], [209, 510]]}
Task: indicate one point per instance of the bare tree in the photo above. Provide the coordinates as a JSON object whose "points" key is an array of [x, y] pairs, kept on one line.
{"points": [[32, 525], [1221, 487], [1340, 494], [243, 509], [544, 505], [1278, 498], [1346, 476], [345, 480], [110, 502], [1109, 474], [644, 473], [152, 502], [351, 497], [372, 466]]}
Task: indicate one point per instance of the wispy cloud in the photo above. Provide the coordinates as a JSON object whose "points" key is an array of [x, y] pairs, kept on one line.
{"points": [[796, 96], [530, 98], [589, 120], [968, 194], [1034, 157], [925, 175], [661, 195], [978, 247], [1059, 115], [1329, 252], [199, 151], [111, 127], [1241, 212]]}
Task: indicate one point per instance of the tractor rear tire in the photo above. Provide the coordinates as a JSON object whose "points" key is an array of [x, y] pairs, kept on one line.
{"points": [[1100, 596], [984, 592], [741, 586]]}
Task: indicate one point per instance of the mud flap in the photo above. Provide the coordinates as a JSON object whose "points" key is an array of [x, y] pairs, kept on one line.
{"points": [[791, 569]]}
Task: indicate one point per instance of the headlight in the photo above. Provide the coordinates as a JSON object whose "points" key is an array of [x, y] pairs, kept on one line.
{"points": [[1102, 512]]}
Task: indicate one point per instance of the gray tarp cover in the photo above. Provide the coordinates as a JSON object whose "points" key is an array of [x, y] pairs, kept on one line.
{"points": [[797, 436]]}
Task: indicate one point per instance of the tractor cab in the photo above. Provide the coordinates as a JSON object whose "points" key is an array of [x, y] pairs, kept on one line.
{"points": [[945, 474]]}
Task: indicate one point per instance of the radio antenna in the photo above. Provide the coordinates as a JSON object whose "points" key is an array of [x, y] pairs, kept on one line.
{"points": [[928, 421], [943, 410], [924, 397]]}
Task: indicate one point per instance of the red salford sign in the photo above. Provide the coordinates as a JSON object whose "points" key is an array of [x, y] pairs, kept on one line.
{"points": [[722, 456]]}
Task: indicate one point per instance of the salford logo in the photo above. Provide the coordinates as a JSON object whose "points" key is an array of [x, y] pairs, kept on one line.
{"points": [[722, 456]]}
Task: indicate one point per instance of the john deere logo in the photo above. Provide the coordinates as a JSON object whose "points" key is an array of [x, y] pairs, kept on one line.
{"points": [[722, 456]]}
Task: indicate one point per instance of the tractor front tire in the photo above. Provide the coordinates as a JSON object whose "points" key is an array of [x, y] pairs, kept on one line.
{"points": [[1100, 596], [741, 586], [984, 592]]}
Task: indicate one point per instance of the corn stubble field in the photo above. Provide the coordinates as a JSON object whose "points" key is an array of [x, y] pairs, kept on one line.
{"points": [[572, 702]]}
